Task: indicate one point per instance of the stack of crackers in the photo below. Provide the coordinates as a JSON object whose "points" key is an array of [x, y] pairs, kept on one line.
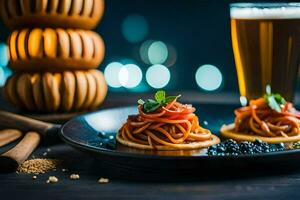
{"points": [[54, 54]]}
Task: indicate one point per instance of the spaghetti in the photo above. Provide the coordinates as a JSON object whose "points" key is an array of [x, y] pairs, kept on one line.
{"points": [[260, 121], [171, 127]]}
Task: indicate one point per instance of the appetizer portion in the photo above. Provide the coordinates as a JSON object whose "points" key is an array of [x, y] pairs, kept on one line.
{"points": [[270, 119], [165, 124]]}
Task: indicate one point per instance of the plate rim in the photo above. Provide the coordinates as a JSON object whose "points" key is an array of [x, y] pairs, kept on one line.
{"points": [[105, 151]]}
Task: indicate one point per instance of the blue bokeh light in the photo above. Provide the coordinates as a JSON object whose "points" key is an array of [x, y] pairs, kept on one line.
{"points": [[111, 74], [3, 55], [157, 52], [209, 77], [135, 28], [2, 77], [130, 76], [158, 76]]}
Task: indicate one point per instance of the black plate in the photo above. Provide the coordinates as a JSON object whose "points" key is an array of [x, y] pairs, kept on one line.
{"points": [[95, 133]]}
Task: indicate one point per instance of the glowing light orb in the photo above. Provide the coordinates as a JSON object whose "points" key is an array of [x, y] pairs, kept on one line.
{"points": [[111, 74], [2, 77], [135, 28], [209, 77], [3, 55], [157, 52], [130, 76], [158, 76]]}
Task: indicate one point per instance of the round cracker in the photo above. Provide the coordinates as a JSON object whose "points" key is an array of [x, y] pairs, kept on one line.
{"points": [[88, 46], [22, 37], [37, 89], [75, 44], [41, 6], [92, 90], [12, 8], [13, 46], [68, 86], [51, 85], [26, 7], [53, 6], [228, 132], [99, 46], [76, 7], [87, 8], [64, 7], [101, 88], [11, 91], [24, 89], [81, 89], [190, 146], [63, 43], [50, 43], [35, 43]]}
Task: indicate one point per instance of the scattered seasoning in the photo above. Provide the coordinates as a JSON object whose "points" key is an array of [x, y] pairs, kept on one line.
{"points": [[64, 170], [48, 149], [52, 179], [34, 177], [45, 154], [74, 176], [38, 166], [296, 145], [103, 180]]}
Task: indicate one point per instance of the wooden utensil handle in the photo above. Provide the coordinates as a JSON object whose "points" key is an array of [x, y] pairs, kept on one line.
{"points": [[9, 135], [11, 120], [11, 160]]}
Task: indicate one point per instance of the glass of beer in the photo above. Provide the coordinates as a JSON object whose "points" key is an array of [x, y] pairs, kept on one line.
{"points": [[266, 46]]}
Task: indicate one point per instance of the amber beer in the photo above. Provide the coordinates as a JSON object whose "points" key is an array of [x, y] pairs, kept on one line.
{"points": [[266, 46]]}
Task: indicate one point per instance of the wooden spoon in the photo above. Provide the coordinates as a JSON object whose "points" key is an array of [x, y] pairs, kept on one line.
{"points": [[9, 135], [11, 160]]}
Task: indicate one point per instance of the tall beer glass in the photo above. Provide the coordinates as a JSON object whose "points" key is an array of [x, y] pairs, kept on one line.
{"points": [[266, 46]]}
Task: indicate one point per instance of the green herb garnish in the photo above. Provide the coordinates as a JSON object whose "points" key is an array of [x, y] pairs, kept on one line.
{"points": [[275, 101], [160, 99]]}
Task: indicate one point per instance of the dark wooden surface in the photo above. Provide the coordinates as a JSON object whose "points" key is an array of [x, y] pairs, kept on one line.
{"points": [[126, 185]]}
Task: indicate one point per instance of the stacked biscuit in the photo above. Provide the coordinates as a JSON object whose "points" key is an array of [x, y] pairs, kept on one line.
{"points": [[53, 54]]}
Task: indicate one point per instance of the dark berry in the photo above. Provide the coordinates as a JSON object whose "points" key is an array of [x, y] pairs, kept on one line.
{"points": [[257, 149], [280, 146], [232, 148], [221, 149], [246, 147]]}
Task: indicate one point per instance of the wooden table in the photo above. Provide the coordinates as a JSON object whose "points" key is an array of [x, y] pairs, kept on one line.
{"points": [[255, 186], [18, 186]]}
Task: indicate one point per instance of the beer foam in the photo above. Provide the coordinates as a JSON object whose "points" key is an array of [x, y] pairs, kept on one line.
{"points": [[287, 12]]}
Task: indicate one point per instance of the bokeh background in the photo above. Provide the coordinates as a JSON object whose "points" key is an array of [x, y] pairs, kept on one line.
{"points": [[175, 45]]}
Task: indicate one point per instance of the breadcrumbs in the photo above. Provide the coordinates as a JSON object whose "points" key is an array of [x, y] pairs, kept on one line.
{"points": [[74, 176], [38, 166], [52, 179], [103, 180]]}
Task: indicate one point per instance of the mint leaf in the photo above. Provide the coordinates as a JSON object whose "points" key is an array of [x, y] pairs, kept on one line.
{"points": [[150, 106], [275, 101], [171, 98], [160, 96], [141, 101], [279, 99]]}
